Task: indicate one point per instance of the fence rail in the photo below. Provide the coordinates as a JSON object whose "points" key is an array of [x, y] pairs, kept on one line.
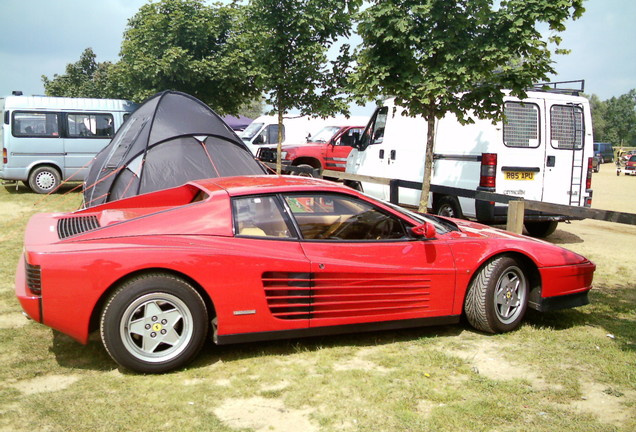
{"points": [[516, 206]]}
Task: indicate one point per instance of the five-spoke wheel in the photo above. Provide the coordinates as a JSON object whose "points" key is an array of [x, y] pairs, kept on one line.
{"points": [[154, 323]]}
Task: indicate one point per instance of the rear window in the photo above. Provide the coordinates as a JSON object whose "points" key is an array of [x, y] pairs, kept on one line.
{"points": [[521, 125], [566, 127], [632, 158]]}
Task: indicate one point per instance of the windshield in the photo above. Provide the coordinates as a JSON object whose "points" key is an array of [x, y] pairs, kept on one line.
{"points": [[324, 134], [251, 131]]}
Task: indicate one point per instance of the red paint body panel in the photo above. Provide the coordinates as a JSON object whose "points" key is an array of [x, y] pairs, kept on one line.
{"points": [[260, 285]]}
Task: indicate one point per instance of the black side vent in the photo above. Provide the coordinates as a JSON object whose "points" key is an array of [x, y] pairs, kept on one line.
{"points": [[68, 227], [34, 278]]}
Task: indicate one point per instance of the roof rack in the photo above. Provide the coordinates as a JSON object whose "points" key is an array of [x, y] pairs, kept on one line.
{"points": [[561, 87]]}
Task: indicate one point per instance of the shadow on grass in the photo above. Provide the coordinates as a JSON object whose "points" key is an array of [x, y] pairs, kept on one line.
{"points": [[20, 189], [611, 310], [71, 354]]}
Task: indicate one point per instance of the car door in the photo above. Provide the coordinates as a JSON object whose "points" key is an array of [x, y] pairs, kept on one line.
{"points": [[339, 147], [364, 265], [265, 282]]}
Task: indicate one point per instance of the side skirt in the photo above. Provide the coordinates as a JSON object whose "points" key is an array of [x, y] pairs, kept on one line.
{"points": [[331, 330]]}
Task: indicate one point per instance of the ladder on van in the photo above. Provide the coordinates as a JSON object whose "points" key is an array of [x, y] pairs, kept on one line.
{"points": [[578, 174]]}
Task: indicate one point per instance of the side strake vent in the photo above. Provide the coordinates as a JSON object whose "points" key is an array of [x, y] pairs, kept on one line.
{"points": [[71, 226], [293, 296], [34, 278]]}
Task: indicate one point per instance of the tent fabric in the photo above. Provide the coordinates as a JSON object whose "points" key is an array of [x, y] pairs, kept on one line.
{"points": [[171, 139], [237, 123]]}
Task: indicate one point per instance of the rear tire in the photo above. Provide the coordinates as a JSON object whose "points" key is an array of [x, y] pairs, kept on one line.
{"points": [[44, 179], [154, 323], [497, 297], [448, 206], [541, 229]]}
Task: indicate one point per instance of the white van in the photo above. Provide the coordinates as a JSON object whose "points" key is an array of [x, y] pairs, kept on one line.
{"points": [[263, 131], [542, 152], [47, 139]]}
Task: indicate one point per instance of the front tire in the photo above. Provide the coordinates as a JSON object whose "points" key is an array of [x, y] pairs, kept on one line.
{"points": [[44, 179], [497, 297], [154, 323]]}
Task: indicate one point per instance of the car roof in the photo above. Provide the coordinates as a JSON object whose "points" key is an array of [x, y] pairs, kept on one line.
{"points": [[243, 185]]}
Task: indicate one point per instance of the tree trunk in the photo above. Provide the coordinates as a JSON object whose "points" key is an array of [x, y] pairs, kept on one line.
{"points": [[279, 147], [428, 163]]}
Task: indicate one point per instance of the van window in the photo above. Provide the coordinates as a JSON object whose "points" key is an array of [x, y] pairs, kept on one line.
{"points": [[90, 125], [521, 125], [35, 124], [566, 127], [374, 133]]}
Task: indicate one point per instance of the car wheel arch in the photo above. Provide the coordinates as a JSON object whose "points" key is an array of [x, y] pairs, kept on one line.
{"points": [[528, 265], [313, 162], [101, 303]]}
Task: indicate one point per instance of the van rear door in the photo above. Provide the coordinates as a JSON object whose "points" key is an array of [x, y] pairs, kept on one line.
{"points": [[565, 170], [522, 160]]}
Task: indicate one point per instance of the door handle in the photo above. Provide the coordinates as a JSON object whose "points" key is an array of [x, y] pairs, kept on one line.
{"points": [[392, 157], [551, 161], [382, 154]]}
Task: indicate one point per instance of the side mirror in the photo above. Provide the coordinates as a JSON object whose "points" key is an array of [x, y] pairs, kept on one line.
{"points": [[425, 230]]}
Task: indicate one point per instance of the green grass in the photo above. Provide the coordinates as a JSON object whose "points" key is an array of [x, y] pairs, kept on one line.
{"points": [[429, 379]]}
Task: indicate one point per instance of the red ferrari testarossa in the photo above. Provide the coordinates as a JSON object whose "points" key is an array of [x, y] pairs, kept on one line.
{"points": [[267, 257]]}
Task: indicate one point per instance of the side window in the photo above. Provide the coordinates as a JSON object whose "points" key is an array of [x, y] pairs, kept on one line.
{"points": [[35, 124], [336, 217], [259, 216], [90, 125], [521, 124], [566, 127], [374, 133], [349, 137]]}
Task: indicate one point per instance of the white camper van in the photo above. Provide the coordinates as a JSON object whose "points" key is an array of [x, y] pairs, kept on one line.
{"points": [[543, 152], [47, 139]]}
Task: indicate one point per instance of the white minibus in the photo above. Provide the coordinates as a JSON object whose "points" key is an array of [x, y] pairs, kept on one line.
{"points": [[543, 152], [47, 139]]}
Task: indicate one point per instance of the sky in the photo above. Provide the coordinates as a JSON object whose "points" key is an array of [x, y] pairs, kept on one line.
{"points": [[42, 36]]}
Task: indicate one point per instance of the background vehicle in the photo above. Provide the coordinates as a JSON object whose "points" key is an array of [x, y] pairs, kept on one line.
{"points": [[543, 152], [263, 131], [630, 166], [327, 149], [605, 151], [47, 139], [273, 257]]}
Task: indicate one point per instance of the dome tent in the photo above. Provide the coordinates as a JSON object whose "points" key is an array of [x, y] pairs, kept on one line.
{"points": [[171, 139]]}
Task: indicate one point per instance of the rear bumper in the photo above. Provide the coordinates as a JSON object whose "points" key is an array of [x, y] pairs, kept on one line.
{"points": [[31, 304]]}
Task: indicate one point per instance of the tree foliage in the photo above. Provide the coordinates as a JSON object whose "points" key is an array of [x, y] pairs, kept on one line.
{"points": [[188, 46], [456, 56], [288, 41], [84, 78], [614, 119]]}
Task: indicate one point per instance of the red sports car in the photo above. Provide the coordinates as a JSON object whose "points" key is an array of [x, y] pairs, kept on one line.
{"points": [[266, 257]]}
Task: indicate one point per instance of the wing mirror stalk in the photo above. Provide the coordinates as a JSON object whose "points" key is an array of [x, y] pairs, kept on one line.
{"points": [[425, 230]]}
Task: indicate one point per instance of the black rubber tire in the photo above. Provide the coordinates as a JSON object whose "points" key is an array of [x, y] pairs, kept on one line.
{"points": [[484, 309], [154, 323], [305, 174], [44, 179], [448, 206], [541, 229]]}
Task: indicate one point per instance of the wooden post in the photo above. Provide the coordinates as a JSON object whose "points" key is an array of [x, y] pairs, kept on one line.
{"points": [[515, 216]]}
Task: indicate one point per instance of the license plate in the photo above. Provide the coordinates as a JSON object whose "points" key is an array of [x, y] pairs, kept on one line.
{"points": [[519, 175]]}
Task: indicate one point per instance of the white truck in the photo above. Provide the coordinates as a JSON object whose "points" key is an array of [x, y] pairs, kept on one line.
{"points": [[543, 151]]}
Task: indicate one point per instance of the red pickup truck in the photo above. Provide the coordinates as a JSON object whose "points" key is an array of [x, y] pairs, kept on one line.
{"points": [[327, 149]]}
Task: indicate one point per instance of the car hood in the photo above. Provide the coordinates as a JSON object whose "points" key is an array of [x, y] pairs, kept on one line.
{"points": [[493, 241]]}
